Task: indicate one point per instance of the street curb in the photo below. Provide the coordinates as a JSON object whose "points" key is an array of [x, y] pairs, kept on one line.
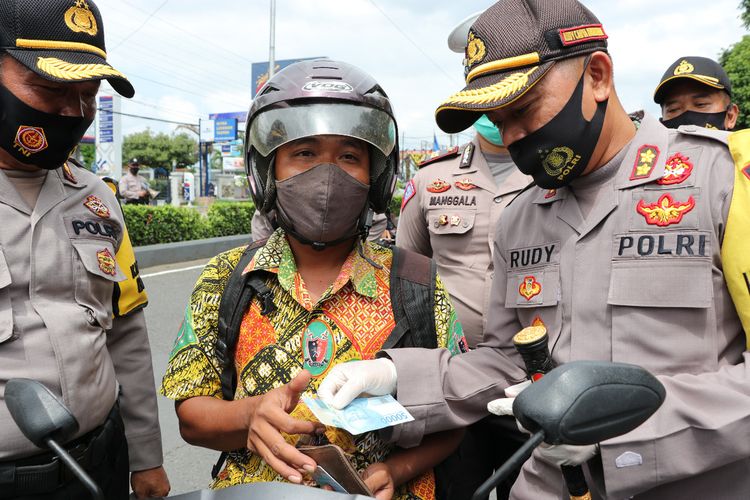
{"points": [[181, 251]]}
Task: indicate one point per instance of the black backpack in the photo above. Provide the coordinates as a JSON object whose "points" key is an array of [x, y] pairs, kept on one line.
{"points": [[412, 298]]}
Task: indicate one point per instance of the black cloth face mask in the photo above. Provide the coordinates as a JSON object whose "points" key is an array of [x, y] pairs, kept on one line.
{"points": [[707, 120], [560, 150], [37, 138]]}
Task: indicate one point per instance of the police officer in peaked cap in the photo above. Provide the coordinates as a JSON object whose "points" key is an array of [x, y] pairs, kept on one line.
{"points": [[70, 297], [632, 247], [696, 91]]}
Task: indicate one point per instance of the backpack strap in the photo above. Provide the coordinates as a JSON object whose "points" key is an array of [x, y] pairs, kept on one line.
{"points": [[413, 300]]}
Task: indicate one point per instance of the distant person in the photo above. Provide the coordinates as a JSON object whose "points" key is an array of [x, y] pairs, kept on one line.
{"points": [[134, 187], [696, 91]]}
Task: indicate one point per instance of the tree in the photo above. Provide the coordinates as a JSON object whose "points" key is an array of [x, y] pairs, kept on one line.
{"points": [[736, 62], [745, 16], [88, 154], [160, 149]]}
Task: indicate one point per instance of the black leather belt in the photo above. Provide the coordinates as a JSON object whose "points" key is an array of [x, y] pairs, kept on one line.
{"points": [[45, 472]]}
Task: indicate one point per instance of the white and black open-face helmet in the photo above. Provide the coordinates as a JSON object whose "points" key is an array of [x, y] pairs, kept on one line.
{"points": [[321, 97]]}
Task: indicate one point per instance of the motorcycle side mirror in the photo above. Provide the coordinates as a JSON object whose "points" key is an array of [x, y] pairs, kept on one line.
{"points": [[586, 402], [38, 413]]}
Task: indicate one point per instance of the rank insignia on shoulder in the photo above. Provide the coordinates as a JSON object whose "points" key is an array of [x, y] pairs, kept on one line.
{"points": [[106, 262], [468, 156], [465, 185], [97, 206], [530, 287], [666, 211], [451, 153], [438, 186], [409, 192], [678, 168], [68, 174], [645, 161]]}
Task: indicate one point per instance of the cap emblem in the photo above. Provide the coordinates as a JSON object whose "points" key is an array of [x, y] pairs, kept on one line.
{"points": [[684, 68], [80, 19], [475, 49], [30, 140], [70, 71]]}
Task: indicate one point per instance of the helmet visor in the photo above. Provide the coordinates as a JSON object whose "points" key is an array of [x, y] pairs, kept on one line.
{"points": [[278, 126]]}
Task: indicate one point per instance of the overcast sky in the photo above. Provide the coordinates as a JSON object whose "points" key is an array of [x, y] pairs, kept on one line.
{"points": [[189, 58]]}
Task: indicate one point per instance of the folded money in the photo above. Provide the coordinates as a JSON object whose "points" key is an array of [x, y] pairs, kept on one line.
{"points": [[361, 415]]}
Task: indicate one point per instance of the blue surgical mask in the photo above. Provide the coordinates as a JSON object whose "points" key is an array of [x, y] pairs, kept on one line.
{"points": [[488, 130]]}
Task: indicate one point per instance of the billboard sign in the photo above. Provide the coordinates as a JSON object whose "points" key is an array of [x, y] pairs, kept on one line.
{"points": [[260, 71], [225, 129], [106, 119]]}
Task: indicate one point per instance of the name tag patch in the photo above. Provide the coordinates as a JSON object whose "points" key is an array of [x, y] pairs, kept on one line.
{"points": [[666, 244], [453, 201], [533, 256]]}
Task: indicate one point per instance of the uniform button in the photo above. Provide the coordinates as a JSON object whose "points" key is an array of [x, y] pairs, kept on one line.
{"points": [[466, 224], [498, 199], [90, 316], [436, 224]]}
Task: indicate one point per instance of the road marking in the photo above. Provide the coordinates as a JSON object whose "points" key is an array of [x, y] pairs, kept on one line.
{"points": [[151, 275]]}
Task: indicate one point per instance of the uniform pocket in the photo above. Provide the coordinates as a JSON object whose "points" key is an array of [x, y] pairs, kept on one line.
{"points": [[6, 312], [450, 240], [96, 272], [538, 287]]}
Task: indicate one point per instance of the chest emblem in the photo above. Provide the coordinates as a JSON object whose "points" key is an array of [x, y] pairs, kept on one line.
{"points": [[438, 186], [97, 206], [318, 345], [530, 287], [677, 169], [107, 262], [645, 161], [666, 211], [465, 185]]}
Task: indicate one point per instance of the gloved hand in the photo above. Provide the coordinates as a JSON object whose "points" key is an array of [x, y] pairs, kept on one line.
{"points": [[567, 454], [346, 381], [504, 406]]}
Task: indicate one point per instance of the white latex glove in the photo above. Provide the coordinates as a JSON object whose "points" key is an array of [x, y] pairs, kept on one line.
{"points": [[504, 406], [567, 454], [346, 381]]}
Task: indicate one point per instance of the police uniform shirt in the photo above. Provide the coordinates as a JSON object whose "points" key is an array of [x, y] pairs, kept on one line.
{"points": [[450, 211], [641, 280], [60, 319]]}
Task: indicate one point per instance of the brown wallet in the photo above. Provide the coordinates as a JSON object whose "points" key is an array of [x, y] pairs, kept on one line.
{"points": [[331, 458]]}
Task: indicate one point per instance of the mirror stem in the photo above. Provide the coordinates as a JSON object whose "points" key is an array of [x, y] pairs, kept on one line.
{"points": [[513, 463], [76, 468]]}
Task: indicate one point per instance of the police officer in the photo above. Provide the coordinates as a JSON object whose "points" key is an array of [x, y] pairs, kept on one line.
{"points": [[696, 91], [134, 187], [70, 296], [632, 248], [449, 212]]}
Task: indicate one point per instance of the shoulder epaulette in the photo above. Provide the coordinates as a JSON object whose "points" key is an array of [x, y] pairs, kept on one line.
{"points": [[694, 130], [451, 153]]}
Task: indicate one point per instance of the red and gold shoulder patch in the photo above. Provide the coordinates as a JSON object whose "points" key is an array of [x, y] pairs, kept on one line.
{"points": [[409, 192], [645, 161], [582, 34], [106, 262], [678, 168], [438, 186], [465, 184], [451, 153], [68, 174], [666, 211], [97, 206], [530, 287]]}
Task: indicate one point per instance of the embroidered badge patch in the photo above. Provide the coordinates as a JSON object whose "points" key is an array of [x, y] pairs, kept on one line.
{"points": [[684, 68], [666, 211], [107, 262], [465, 185], [438, 186], [80, 19], [318, 347], [409, 192], [97, 206], [30, 140], [678, 168], [645, 161], [582, 34], [530, 287], [68, 174], [475, 49]]}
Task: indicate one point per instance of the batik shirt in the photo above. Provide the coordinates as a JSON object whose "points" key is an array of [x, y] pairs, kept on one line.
{"points": [[351, 321]]}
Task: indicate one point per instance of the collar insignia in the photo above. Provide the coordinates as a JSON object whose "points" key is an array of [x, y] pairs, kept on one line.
{"points": [[550, 194], [80, 19], [678, 169], [97, 206], [666, 211], [645, 161], [68, 174]]}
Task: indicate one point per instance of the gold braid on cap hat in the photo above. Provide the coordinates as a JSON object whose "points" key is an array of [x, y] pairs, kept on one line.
{"points": [[70, 71], [504, 88]]}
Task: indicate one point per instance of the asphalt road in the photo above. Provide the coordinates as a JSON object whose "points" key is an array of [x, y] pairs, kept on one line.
{"points": [[169, 287]]}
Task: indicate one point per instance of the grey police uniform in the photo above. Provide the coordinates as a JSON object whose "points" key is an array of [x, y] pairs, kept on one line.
{"points": [[640, 281], [450, 213], [58, 270]]}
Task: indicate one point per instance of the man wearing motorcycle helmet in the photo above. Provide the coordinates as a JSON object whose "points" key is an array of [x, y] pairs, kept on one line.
{"points": [[322, 152]]}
